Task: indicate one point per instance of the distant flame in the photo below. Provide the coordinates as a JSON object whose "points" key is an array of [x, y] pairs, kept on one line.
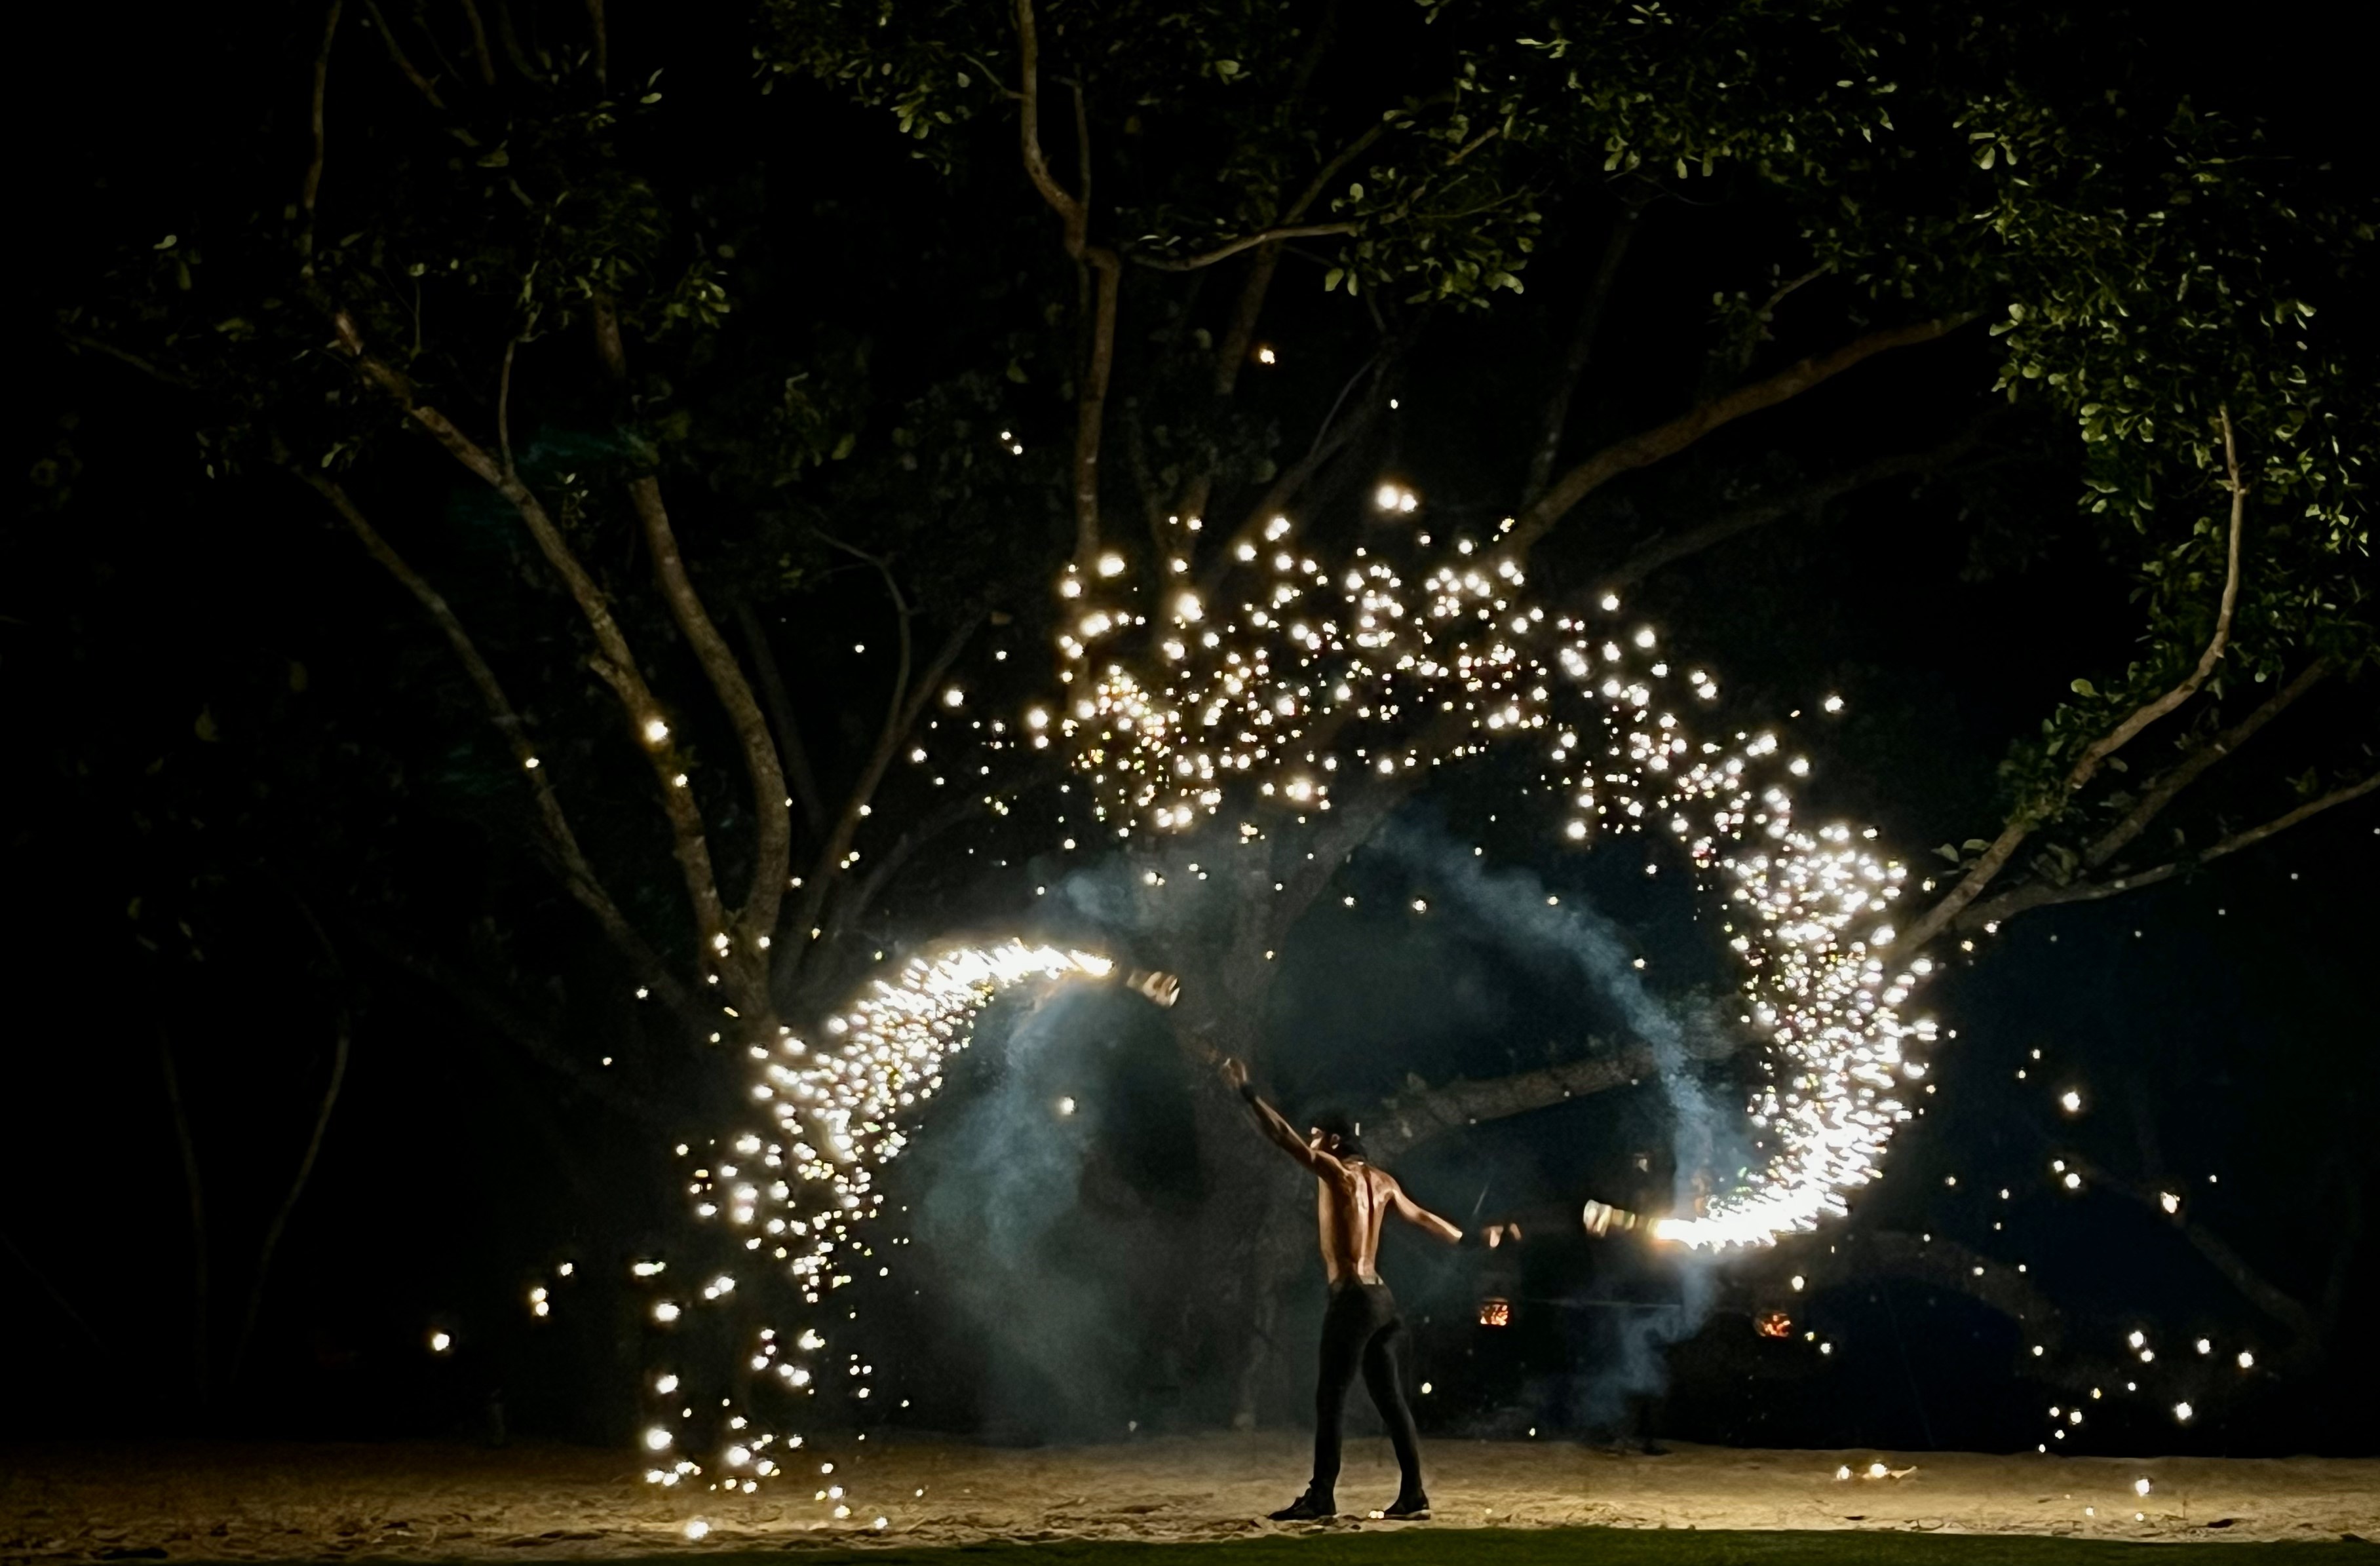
{"points": [[1495, 1313]]}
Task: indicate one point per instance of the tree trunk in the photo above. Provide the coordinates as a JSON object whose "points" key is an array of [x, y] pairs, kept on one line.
{"points": [[199, 1288]]}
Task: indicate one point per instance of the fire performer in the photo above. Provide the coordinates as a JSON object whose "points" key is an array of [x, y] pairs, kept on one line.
{"points": [[1361, 1328]]}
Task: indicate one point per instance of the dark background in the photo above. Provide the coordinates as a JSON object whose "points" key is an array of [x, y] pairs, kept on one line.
{"points": [[2233, 1008]]}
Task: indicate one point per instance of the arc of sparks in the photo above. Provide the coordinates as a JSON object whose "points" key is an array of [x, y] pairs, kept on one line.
{"points": [[1319, 675]]}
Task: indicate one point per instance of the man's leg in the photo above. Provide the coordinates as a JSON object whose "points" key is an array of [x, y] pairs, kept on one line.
{"points": [[1345, 1326], [1384, 1377]]}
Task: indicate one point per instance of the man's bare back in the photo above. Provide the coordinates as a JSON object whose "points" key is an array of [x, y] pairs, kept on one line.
{"points": [[1350, 1204], [1352, 1198]]}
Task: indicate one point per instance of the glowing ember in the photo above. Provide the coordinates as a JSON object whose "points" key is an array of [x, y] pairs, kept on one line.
{"points": [[1495, 1313], [1299, 678], [1267, 696], [802, 1192], [1773, 1324]]}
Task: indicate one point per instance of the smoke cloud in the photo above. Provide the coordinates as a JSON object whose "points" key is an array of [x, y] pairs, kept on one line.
{"points": [[1056, 1178], [1049, 1189], [1654, 1302]]}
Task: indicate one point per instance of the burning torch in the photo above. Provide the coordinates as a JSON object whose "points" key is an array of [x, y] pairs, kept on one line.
{"points": [[1602, 1218]]}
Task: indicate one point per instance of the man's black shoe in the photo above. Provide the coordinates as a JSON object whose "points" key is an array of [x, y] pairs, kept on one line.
{"points": [[1409, 1509], [1306, 1508]]}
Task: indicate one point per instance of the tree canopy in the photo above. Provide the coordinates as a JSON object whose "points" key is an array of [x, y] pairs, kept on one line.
{"points": [[707, 415]]}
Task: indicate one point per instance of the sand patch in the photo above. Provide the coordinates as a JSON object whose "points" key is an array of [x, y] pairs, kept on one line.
{"points": [[420, 1501]]}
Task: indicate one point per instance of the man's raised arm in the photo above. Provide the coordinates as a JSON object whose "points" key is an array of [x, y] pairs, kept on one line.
{"points": [[1269, 1119], [1428, 1222]]}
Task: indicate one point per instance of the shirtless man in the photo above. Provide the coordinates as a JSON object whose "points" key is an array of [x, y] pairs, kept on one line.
{"points": [[1361, 1328]]}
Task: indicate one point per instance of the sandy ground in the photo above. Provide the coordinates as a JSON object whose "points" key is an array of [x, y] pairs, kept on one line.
{"points": [[421, 1501]]}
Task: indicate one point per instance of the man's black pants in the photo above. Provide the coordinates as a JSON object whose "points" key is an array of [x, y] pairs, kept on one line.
{"points": [[1361, 1330]]}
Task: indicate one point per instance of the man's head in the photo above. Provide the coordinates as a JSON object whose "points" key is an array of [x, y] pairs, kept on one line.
{"points": [[1335, 1132]]}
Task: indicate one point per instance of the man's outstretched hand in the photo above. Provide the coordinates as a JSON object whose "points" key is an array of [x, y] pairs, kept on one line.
{"points": [[1162, 988]]}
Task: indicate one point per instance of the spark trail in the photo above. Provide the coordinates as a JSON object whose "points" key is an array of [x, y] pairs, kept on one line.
{"points": [[1313, 681], [1317, 678], [801, 1192]]}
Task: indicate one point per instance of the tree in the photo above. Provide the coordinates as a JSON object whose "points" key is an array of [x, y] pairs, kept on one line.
{"points": [[2144, 286], [405, 375], [1895, 185]]}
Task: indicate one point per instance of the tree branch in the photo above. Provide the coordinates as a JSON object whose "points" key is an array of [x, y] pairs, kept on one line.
{"points": [[58, 1298], [907, 705], [1411, 1118], [1649, 446], [1954, 903], [2124, 733], [275, 1230], [199, 1284], [2253, 1286], [577, 874], [2187, 771], [504, 406], [1757, 326], [601, 32], [163, 377], [1582, 344], [853, 906], [1331, 439], [1942, 1264], [480, 43], [1240, 331], [2040, 894], [1226, 251], [1232, 351], [1668, 549], [312, 185], [513, 50], [398, 58], [498, 1015], [1028, 129], [1107, 272], [1091, 401], [780, 713], [773, 824], [616, 663]]}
